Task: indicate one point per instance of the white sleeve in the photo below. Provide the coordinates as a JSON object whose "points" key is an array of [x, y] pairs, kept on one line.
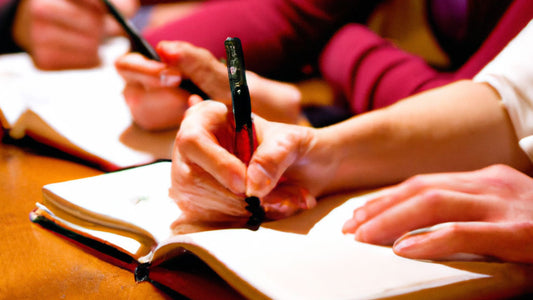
{"points": [[511, 74]]}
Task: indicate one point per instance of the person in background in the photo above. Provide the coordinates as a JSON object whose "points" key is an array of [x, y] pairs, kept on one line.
{"points": [[59, 34], [461, 127], [291, 40], [156, 13]]}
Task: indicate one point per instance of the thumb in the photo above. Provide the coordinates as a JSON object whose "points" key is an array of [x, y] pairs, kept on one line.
{"points": [[198, 65], [269, 162]]}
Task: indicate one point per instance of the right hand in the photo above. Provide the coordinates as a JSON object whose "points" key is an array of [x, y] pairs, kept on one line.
{"points": [[63, 34], [287, 171], [156, 102]]}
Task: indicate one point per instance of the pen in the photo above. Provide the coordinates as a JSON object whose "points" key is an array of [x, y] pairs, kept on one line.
{"points": [[139, 44], [245, 140]]}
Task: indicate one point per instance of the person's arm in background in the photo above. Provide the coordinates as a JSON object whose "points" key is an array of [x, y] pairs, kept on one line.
{"points": [[494, 203], [278, 36], [375, 73], [62, 34]]}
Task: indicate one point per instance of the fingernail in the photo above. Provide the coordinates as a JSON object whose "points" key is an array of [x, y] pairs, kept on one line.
{"points": [[238, 184], [169, 79], [360, 235], [348, 226], [308, 200], [427, 229], [257, 179], [360, 216], [403, 244]]}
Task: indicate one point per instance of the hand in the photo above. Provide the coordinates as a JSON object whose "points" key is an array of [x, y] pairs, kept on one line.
{"points": [[492, 211], [209, 183], [156, 103], [61, 34]]}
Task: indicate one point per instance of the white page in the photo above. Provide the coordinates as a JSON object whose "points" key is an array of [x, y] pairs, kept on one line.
{"points": [[319, 263], [323, 263], [85, 106], [291, 266], [138, 196]]}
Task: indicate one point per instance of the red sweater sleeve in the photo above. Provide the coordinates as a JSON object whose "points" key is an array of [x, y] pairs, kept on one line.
{"points": [[277, 35], [372, 73]]}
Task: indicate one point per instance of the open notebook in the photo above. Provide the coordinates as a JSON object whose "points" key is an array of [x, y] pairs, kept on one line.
{"points": [[81, 112], [126, 215]]}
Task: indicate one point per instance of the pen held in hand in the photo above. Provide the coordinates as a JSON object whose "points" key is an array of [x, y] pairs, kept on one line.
{"points": [[245, 140], [140, 45]]}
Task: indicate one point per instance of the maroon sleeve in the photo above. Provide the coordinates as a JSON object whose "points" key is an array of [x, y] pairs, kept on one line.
{"points": [[371, 72], [276, 34]]}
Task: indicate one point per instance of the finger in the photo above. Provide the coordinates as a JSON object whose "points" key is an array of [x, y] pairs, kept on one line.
{"points": [[506, 241], [204, 139], [156, 109], [425, 209], [56, 49], [373, 207], [286, 200], [200, 66], [465, 182], [275, 153], [83, 16], [194, 99], [201, 197], [135, 68]]}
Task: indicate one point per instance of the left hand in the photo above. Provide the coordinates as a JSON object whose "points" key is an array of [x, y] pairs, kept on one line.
{"points": [[492, 211]]}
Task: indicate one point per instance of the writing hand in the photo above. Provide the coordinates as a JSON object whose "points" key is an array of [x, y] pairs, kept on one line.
{"points": [[485, 206], [209, 183], [62, 34]]}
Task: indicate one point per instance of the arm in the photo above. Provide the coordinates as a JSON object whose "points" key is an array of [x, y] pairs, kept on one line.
{"points": [[276, 34], [446, 129], [494, 203], [371, 72]]}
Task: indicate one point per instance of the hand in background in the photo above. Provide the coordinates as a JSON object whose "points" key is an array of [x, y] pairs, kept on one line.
{"points": [[209, 183], [62, 34], [156, 103], [491, 210]]}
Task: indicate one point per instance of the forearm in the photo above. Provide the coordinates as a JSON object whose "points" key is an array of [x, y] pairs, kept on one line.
{"points": [[439, 130]]}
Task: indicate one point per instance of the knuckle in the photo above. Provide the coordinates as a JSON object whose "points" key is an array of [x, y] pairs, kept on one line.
{"points": [[432, 197], [415, 182]]}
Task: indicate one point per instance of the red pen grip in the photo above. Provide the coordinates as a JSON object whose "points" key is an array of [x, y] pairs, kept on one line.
{"points": [[245, 143]]}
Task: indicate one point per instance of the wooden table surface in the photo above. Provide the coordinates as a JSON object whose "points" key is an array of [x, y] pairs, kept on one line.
{"points": [[38, 264]]}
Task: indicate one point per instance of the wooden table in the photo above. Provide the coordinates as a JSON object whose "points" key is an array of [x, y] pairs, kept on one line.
{"points": [[38, 264]]}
